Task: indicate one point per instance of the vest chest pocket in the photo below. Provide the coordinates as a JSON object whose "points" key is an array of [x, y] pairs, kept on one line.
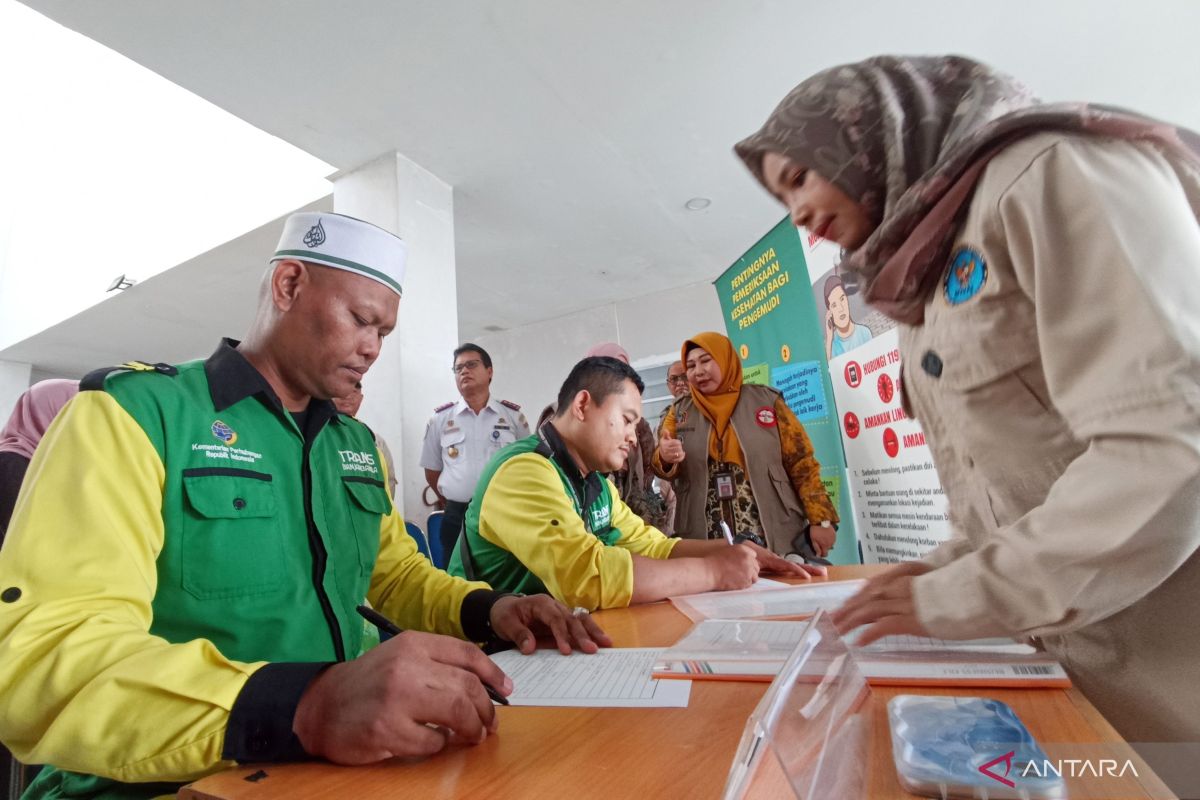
{"points": [[369, 503], [232, 542]]}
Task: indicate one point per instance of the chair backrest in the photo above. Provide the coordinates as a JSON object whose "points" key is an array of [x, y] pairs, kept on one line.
{"points": [[434, 525], [414, 530]]}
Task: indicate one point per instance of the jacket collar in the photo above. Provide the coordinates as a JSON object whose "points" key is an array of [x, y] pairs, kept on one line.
{"points": [[587, 487], [231, 379]]}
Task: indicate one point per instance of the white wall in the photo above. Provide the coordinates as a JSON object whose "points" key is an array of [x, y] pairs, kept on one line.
{"points": [[400, 390], [532, 361], [15, 378]]}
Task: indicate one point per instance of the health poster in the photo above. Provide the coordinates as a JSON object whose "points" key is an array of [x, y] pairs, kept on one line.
{"points": [[899, 506], [766, 297]]}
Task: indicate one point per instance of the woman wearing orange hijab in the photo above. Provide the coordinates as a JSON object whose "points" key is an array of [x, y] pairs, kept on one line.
{"points": [[736, 453]]}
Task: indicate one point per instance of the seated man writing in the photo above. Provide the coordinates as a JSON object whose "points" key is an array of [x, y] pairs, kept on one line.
{"points": [[179, 582], [543, 519]]}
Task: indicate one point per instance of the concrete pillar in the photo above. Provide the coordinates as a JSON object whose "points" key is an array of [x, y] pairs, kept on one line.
{"points": [[14, 379], [412, 374]]}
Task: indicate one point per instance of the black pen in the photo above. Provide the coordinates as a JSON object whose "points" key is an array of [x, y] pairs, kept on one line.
{"points": [[387, 626]]}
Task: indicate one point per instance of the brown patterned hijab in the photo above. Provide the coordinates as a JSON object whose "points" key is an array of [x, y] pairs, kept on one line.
{"points": [[908, 138]]}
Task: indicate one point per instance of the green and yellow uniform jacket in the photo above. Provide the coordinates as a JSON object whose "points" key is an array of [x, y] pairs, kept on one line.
{"points": [[537, 524], [184, 557]]}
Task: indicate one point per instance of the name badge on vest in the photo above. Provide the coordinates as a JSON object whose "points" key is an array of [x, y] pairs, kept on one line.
{"points": [[723, 485]]}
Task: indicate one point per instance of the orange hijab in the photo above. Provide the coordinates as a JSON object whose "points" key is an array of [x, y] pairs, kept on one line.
{"points": [[718, 407]]}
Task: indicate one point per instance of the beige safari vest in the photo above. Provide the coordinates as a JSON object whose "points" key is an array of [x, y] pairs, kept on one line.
{"points": [[1057, 377], [780, 510]]}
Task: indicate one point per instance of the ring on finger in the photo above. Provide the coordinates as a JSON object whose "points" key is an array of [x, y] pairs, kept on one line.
{"points": [[579, 611]]}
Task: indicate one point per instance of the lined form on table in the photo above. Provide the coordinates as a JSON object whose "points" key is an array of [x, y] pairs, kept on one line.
{"points": [[613, 677]]}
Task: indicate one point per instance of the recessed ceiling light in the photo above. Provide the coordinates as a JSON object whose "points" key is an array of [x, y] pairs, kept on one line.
{"points": [[697, 204]]}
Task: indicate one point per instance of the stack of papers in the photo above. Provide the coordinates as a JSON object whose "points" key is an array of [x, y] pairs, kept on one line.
{"points": [[802, 600], [721, 649], [610, 678]]}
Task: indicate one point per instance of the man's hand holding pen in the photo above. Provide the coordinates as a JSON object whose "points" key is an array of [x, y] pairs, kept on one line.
{"points": [[409, 697], [417, 692]]}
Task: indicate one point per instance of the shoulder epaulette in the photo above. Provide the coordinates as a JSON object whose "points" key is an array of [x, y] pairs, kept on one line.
{"points": [[510, 404], [94, 380], [443, 407]]}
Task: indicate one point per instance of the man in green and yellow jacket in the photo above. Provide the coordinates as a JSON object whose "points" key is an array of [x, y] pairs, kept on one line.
{"points": [[178, 589]]}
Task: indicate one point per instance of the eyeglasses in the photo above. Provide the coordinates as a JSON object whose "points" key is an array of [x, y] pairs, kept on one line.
{"points": [[676, 380], [466, 365]]}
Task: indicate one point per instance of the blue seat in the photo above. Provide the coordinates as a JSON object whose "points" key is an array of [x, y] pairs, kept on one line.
{"points": [[414, 530], [434, 526]]}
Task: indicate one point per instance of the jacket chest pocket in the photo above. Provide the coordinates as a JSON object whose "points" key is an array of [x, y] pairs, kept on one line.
{"points": [[368, 504], [453, 440], [232, 538], [991, 399]]}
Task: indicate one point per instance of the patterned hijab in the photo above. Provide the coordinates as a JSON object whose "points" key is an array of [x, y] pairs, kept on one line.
{"points": [[908, 138], [34, 412]]}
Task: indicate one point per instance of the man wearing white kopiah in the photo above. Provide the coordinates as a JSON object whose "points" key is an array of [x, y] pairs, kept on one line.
{"points": [[193, 605]]}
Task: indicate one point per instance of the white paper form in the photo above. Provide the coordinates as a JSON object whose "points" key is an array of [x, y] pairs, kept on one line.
{"points": [[612, 677], [790, 601]]}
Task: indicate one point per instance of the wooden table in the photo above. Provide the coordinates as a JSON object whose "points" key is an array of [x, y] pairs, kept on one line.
{"points": [[581, 753]]}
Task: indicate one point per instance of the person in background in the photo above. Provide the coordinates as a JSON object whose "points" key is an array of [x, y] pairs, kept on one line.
{"points": [[463, 434], [179, 583], [349, 406], [735, 453], [36, 408], [1041, 263], [842, 333], [545, 519], [677, 385]]}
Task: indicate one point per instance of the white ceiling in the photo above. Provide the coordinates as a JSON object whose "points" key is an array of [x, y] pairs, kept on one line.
{"points": [[574, 132], [175, 316]]}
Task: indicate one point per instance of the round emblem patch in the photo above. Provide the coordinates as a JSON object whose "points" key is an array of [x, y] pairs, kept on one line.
{"points": [[966, 276], [765, 417], [224, 433]]}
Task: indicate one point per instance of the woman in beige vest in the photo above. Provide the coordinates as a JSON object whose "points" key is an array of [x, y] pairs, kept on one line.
{"points": [[1042, 263], [736, 453]]}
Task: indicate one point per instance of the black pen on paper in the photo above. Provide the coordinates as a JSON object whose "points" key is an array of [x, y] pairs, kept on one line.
{"points": [[387, 626]]}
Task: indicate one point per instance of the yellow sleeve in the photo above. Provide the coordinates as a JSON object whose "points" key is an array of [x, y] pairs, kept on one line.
{"points": [[85, 685], [636, 536], [665, 471], [802, 466], [409, 590], [526, 512]]}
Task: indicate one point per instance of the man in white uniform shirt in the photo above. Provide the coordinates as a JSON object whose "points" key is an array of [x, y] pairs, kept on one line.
{"points": [[462, 435]]}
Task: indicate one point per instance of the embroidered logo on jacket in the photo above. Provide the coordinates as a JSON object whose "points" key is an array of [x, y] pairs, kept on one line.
{"points": [[966, 276], [224, 433]]}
